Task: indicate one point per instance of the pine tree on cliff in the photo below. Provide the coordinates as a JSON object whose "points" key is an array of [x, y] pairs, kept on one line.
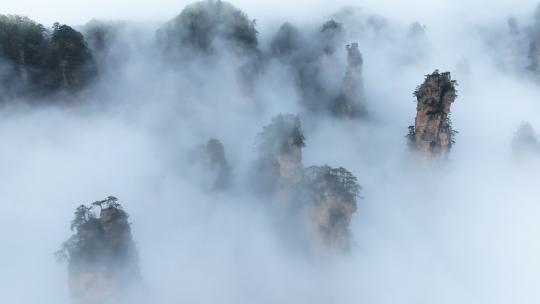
{"points": [[334, 193], [432, 134], [101, 254]]}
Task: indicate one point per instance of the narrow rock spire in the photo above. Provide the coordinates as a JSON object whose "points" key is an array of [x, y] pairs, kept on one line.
{"points": [[432, 134]]}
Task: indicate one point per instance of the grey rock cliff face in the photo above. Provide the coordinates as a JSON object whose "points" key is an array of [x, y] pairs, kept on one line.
{"points": [[525, 142], [313, 60], [534, 43], [332, 218], [102, 258], [333, 192], [89, 287], [350, 102], [289, 172], [278, 169], [534, 53], [117, 232], [216, 164], [432, 134], [320, 199]]}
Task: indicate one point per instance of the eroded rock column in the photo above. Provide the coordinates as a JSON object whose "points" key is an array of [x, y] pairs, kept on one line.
{"points": [[350, 102], [432, 134]]}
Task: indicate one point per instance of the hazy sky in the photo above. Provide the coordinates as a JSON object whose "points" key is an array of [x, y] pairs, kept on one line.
{"points": [[80, 11]]}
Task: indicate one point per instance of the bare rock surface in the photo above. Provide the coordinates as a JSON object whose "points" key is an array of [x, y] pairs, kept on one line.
{"points": [[432, 134]]}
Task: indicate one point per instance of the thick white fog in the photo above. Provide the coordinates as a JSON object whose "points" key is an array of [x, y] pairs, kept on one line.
{"points": [[461, 230]]}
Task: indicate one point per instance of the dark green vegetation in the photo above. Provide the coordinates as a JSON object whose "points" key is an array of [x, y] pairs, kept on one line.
{"points": [[287, 40], [102, 242], [279, 147], [411, 137], [70, 61], [307, 55], [339, 181], [445, 86], [330, 36], [36, 60], [283, 133], [433, 129], [334, 193], [328, 196], [206, 29], [202, 26]]}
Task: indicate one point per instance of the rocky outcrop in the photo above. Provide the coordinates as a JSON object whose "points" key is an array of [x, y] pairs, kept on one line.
{"points": [[350, 102], [330, 36], [216, 165], [279, 164], [333, 193], [287, 42], [416, 45], [416, 31], [525, 142], [101, 255], [289, 171], [534, 53], [432, 134], [202, 26], [324, 197], [513, 27], [534, 43], [208, 28], [312, 61]]}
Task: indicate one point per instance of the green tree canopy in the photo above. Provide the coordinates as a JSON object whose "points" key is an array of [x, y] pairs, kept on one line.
{"points": [[339, 181], [200, 24], [97, 240], [22, 40], [330, 36], [284, 131], [39, 60], [287, 41], [70, 62], [23, 49]]}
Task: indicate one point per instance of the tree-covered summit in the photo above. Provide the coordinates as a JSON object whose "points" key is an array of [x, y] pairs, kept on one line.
{"points": [[102, 233], [101, 254], [285, 131], [35, 60], [201, 26]]}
